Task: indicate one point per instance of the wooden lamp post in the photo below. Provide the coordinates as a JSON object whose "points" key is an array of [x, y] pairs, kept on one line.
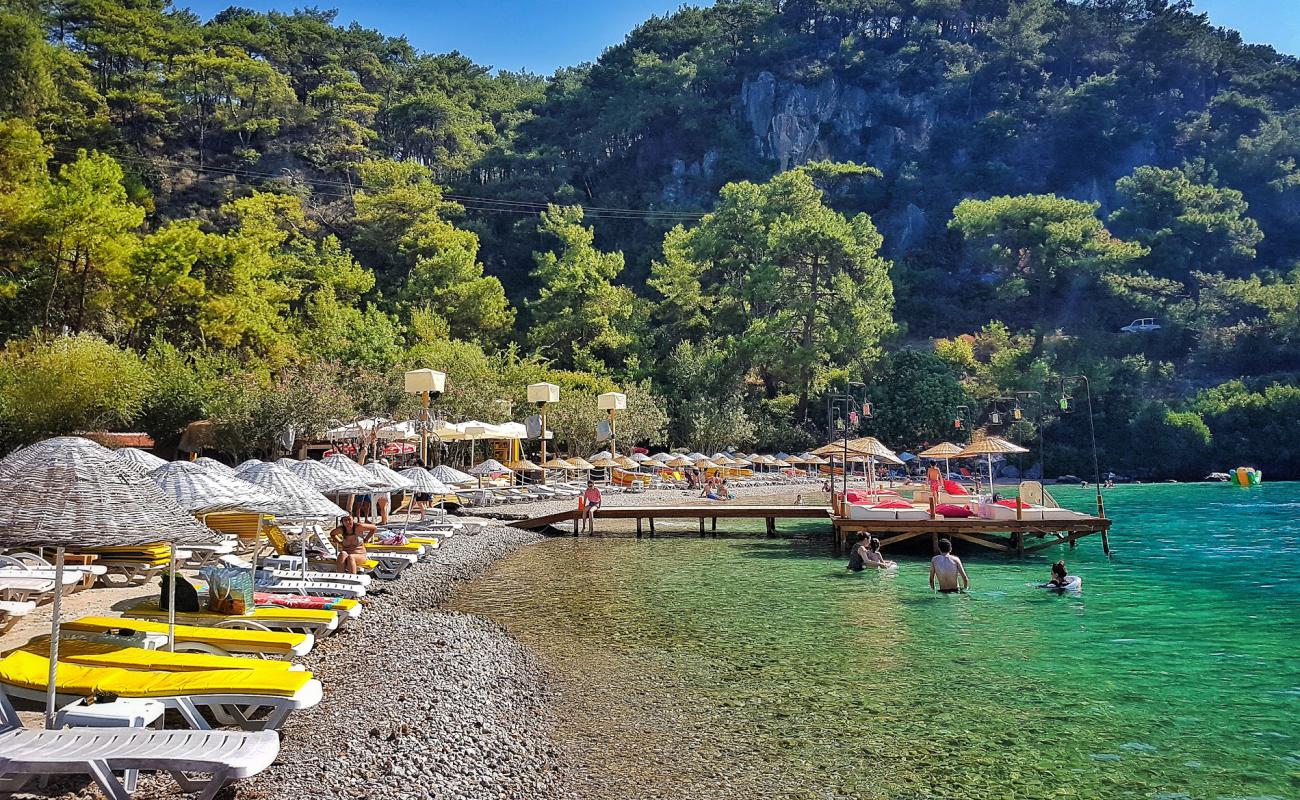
{"points": [[429, 384], [541, 394], [612, 402]]}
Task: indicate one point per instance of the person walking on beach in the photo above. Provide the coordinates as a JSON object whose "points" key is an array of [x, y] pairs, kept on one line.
{"points": [[946, 569], [590, 502]]}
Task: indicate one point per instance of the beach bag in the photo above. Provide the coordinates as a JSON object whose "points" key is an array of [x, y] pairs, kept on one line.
{"points": [[187, 597], [230, 589]]}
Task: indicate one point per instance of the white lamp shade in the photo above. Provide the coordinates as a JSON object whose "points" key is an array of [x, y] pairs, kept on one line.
{"points": [[611, 401], [419, 381], [543, 393]]}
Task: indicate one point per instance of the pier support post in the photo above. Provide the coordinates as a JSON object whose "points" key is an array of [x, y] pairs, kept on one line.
{"points": [[934, 542], [638, 527], [771, 527], [1020, 543], [1105, 541], [715, 526], [577, 524], [701, 527], [652, 527]]}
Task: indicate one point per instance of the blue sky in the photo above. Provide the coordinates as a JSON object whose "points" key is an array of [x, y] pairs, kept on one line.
{"points": [[541, 36]]}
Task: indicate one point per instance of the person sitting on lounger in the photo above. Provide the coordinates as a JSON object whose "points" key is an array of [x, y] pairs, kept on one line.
{"points": [[946, 569], [350, 538], [724, 493], [874, 559]]}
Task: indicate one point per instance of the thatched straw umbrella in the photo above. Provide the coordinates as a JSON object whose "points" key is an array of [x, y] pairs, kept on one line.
{"points": [[70, 491], [200, 490], [944, 450], [328, 480], [135, 455], [214, 465], [423, 482], [249, 464], [987, 447], [449, 475], [300, 501]]}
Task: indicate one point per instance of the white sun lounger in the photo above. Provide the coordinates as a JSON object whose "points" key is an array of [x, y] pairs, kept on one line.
{"points": [[99, 752], [21, 585], [13, 610]]}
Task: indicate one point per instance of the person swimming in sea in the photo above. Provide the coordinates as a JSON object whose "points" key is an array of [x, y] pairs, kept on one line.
{"points": [[1061, 579]]}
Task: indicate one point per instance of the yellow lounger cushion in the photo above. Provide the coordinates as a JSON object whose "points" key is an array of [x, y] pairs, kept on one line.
{"points": [[287, 616], [239, 639], [31, 671], [109, 654]]}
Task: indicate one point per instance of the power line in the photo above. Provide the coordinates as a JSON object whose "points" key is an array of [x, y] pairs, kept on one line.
{"points": [[470, 202]]}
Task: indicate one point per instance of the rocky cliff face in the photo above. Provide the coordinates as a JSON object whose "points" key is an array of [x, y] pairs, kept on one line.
{"points": [[795, 122]]}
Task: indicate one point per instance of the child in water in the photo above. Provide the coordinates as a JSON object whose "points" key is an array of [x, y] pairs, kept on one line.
{"points": [[1060, 578]]}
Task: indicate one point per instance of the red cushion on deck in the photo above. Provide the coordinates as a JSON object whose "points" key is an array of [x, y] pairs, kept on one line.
{"points": [[1012, 504], [893, 504], [950, 510], [953, 487]]}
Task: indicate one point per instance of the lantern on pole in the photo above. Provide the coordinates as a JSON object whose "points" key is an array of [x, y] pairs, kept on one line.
{"points": [[429, 384]]}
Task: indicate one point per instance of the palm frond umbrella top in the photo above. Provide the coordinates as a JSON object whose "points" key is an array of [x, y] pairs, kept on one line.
{"points": [[812, 458], [627, 463], [871, 446], [524, 465], [301, 500], [796, 460], [489, 467], [603, 463], [423, 482], [199, 490], [602, 454], [71, 492], [705, 463], [213, 465], [696, 456], [940, 450], [722, 460], [450, 475], [558, 463], [760, 459], [640, 458], [662, 458], [579, 462], [135, 455], [346, 466], [388, 476], [326, 480]]}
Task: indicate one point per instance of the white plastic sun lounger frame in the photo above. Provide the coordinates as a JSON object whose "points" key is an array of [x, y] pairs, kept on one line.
{"points": [[226, 709], [99, 752]]}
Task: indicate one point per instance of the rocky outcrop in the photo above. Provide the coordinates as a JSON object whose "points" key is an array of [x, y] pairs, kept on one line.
{"points": [[795, 122]]}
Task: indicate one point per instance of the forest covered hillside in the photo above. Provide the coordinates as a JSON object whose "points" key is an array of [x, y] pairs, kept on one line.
{"points": [[733, 212]]}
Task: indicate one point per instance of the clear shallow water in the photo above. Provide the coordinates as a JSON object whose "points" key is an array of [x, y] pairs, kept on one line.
{"points": [[737, 667]]}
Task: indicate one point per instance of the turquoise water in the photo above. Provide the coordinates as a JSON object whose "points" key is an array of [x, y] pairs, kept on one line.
{"points": [[760, 666]]}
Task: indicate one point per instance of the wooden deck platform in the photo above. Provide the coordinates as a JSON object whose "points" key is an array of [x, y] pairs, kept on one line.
{"points": [[1013, 537], [706, 514]]}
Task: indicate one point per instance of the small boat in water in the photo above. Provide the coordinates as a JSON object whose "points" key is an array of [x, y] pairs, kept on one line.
{"points": [[1246, 476]]}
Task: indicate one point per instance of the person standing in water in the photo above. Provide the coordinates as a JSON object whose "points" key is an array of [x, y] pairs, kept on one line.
{"points": [[873, 557], [858, 553], [946, 569]]}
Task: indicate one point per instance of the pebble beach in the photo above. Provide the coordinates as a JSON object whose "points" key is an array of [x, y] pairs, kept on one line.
{"points": [[420, 703]]}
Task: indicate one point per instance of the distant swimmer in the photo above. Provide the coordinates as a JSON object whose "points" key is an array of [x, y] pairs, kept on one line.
{"points": [[1061, 579], [946, 569]]}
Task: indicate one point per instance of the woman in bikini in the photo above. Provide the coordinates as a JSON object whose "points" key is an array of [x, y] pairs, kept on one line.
{"points": [[349, 539]]}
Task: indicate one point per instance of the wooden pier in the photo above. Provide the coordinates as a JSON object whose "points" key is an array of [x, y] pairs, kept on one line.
{"points": [[708, 516], [1011, 537]]}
